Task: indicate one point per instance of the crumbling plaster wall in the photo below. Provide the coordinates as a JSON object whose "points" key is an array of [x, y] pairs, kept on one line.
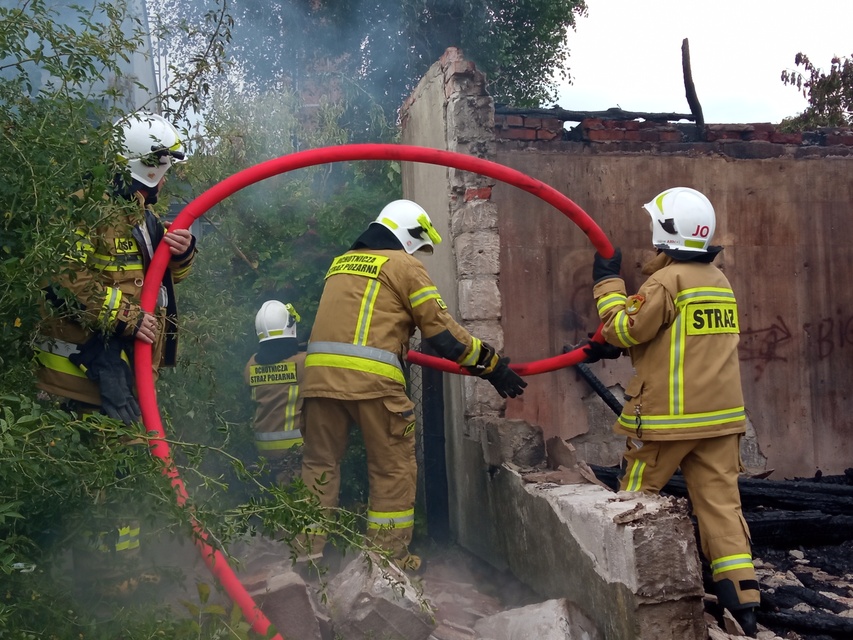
{"points": [[783, 206], [512, 267], [783, 209]]}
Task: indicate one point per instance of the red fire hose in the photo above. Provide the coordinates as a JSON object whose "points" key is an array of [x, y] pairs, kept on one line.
{"points": [[214, 559]]}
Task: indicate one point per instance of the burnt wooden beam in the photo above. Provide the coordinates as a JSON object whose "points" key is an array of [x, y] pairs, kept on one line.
{"points": [[812, 622], [690, 90], [614, 113], [779, 513]]}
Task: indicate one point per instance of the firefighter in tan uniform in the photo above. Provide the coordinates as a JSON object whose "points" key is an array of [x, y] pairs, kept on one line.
{"points": [[685, 404], [84, 355], [273, 375], [375, 296]]}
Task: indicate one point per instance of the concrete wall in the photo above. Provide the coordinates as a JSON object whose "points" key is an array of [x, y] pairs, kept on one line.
{"points": [[782, 220], [517, 273]]}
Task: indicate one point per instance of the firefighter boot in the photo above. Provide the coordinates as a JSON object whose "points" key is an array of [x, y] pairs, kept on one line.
{"points": [[744, 613]]}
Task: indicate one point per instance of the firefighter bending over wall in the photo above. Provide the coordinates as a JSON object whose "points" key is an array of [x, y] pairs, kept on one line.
{"points": [[684, 405], [375, 296], [85, 355], [273, 374]]}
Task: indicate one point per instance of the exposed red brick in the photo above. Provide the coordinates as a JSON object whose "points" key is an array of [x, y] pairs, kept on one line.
{"points": [[613, 124], [544, 134], [463, 67], [631, 125], [482, 193], [451, 54], [605, 135], [758, 135], [787, 138], [649, 136], [670, 136], [514, 121], [533, 123], [554, 124], [632, 136], [764, 127], [592, 123], [519, 134], [841, 137]]}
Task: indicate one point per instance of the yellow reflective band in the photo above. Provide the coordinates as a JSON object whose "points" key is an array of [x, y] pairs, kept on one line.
{"points": [[422, 295], [474, 354], [128, 538], [610, 300], [388, 222], [703, 294], [278, 445], [59, 364], [685, 421], [391, 519], [355, 363], [622, 325], [357, 264], [426, 225], [731, 563], [365, 312], [292, 312], [635, 476], [278, 373], [129, 262], [179, 272], [111, 305]]}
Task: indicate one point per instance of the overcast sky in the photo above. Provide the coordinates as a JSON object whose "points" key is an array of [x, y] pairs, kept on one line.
{"points": [[627, 53]]}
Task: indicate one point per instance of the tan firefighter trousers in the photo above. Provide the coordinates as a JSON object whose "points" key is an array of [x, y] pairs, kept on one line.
{"points": [[710, 467], [388, 428]]}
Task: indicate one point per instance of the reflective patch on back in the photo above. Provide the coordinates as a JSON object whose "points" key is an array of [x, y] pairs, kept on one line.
{"points": [[357, 264], [715, 317]]}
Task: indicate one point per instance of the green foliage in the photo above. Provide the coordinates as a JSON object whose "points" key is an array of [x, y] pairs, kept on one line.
{"points": [[385, 47], [59, 93], [830, 94]]}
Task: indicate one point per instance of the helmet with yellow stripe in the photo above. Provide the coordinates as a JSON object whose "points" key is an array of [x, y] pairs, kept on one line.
{"points": [[276, 320], [682, 219], [410, 224], [151, 145]]}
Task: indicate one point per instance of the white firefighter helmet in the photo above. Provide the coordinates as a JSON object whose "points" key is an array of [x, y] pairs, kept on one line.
{"points": [[151, 144], [276, 320], [682, 218], [410, 224]]}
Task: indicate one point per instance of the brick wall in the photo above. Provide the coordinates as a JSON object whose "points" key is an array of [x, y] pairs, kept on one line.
{"points": [[639, 135]]}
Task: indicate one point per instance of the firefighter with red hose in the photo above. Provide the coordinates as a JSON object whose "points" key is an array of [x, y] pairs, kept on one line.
{"points": [[684, 406], [375, 296], [86, 349]]}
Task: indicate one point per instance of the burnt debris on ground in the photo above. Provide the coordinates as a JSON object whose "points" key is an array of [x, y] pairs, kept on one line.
{"points": [[802, 534]]}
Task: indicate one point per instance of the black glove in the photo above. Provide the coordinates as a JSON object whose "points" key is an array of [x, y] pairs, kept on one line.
{"points": [[505, 381], [596, 351], [102, 363], [604, 268]]}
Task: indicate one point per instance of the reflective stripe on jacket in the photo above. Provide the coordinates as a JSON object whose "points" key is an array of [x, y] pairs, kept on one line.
{"points": [[682, 332], [372, 302], [278, 420], [105, 276]]}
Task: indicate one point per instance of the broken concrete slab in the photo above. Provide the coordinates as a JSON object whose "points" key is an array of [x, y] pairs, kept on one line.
{"points": [[285, 600], [629, 561], [372, 599], [549, 620]]}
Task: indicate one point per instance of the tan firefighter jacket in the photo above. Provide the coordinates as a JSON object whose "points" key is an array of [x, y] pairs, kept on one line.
{"points": [[105, 275], [278, 422], [681, 330], [372, 301]]}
